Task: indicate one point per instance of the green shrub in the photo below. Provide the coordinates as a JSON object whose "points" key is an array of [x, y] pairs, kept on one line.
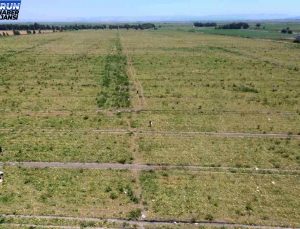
{"points": [[113, 195], [16, 32], [2, 220], [244, 88], [135, 214], [131, 195], [209, 217], [87, 224]]}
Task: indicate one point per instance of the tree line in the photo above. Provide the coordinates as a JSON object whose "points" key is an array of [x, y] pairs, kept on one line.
{"points": [[133, 26], [287, 30], [240, 25], [297, 39], [39, 27], [209, 24]]}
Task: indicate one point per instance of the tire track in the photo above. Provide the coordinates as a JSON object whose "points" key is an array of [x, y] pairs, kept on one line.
{"points": [[12, 53], [62, 113], [166, 133], [246, 54], [145, 167], [223, 134], [132, 76], [204, 112], [142, 223], [41, 226], [134, 137]]}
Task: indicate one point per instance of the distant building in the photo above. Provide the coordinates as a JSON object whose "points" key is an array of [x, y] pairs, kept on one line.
{"points": [[297, 39]]}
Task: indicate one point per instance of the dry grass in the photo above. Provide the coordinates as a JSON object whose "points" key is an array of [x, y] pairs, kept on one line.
{"points": [[191, 82], [225, 152], [82, 193], [65, 147], [239, 198], [216, 83]]}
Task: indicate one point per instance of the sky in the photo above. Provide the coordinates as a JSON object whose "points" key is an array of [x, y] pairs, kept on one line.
{"points": [[77, 10]]}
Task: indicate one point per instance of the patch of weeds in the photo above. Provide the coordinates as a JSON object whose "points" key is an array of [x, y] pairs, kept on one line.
{"points": [[148, 181], [108, 189], [209, 217], [114, 81], [113, 195], [243, 88], [134, 214], [2, 220], [131, 195], [87, 224], [6, 198], [122, 161], [249, 207]]}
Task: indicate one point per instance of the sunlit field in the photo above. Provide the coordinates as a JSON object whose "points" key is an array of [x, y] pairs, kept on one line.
{"points": [[225, 106]]}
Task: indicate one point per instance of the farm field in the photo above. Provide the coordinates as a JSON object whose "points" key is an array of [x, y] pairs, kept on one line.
{"points": [[267, 30], [68, 193], [237, 197], [220, 152], [228, 107], [268, 33]]}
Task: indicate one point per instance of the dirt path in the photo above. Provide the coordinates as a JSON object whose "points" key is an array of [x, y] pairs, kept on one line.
{"points": [[202, 112], [142, 223], [143, 167], [136, 82], [222, 134], [112, 112], [134, 148], [138, 88], [138, 92], [25, 225], [167, 133]]}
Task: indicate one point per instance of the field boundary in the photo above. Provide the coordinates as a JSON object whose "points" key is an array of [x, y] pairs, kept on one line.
{"points": [[41, 226], [132, 76], [168, 133], [161, 111], [198, 111], [142, 223], [148, 167]]}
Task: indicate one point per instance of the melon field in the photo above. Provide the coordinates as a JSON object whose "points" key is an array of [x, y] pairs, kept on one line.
{"points": [[149, 129]]}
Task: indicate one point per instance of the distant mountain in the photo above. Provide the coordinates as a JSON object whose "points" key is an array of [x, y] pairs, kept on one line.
{"points": [[294, 18]]}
